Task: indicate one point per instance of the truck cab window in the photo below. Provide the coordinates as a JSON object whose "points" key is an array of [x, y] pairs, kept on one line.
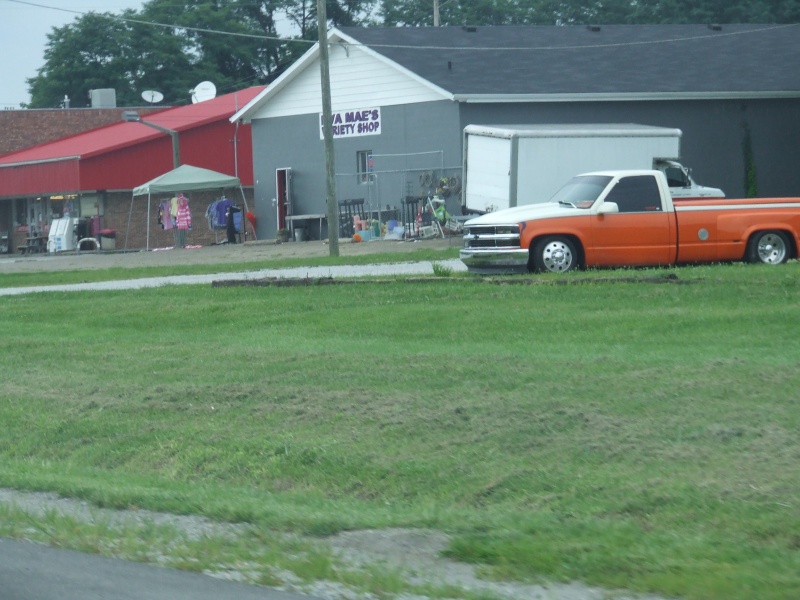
{"points": [[638, 193]]}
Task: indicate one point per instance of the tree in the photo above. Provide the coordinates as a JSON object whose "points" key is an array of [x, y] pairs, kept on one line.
{"points": [[233, 43], [347, 13], [717, 11], [93, 53], [339, 13], [100, 50], [418, 13], [171, 46], [581, 12]]}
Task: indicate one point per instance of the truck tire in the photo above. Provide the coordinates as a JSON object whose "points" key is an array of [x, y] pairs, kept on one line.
{"points": [[553, 254], [769, 248]]}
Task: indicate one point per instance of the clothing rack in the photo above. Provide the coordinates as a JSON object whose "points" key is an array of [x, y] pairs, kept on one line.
{"points": [[149, 195]]}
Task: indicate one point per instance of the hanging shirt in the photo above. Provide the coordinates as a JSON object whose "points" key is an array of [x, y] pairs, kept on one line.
{"points": [[222, 212], [163, 213], [183, 218]]}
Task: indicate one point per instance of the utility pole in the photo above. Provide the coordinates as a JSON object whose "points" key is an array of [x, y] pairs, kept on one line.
{"points": [[435, 13], [327, 130]]}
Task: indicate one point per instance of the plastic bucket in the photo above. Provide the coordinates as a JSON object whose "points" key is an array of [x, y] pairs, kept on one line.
{"points": [[108, 239]]}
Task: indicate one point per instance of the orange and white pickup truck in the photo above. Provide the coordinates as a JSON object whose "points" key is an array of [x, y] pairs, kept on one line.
{"points": [[628, 218]]}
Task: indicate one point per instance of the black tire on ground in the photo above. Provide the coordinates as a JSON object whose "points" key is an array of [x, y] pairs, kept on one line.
{"points": [[769, 248], [553, 254]]}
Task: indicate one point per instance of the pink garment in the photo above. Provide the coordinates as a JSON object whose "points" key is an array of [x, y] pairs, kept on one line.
{"points": [[184, 217]]}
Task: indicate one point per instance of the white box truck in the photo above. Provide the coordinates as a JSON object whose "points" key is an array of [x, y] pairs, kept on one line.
{"points": [[512, 165]]}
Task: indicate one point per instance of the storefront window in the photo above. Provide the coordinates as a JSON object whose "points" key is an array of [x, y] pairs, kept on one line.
{"points": [[91, 205], [56, 207], [364, 165], [20, 215], [36, 215], [62, 206]]}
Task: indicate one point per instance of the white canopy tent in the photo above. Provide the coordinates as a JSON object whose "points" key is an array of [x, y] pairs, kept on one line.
{"points": [[185, 178]]}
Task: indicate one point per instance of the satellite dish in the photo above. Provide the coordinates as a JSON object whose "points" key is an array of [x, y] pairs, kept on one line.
{"points": [[152, 96], [205, 90]]}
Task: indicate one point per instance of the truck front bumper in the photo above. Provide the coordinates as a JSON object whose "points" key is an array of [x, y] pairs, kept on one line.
{"points": [[495, 260]]}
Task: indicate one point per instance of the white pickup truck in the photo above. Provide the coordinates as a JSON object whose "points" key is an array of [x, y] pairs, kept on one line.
{"points": [[629, 218]]}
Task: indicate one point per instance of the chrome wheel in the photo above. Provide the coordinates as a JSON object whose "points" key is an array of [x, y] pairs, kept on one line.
{"points": [[770, 248], [556, 255]]}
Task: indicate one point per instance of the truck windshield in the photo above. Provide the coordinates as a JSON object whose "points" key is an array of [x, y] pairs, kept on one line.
{"points": [[676, 177], [581, 191]]}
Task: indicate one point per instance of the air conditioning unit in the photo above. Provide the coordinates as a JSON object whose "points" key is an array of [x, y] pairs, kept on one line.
{"points": [[105, 98]]}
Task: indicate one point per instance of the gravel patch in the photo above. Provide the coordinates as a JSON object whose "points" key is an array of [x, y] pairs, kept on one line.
{"points": [[415, 553]]}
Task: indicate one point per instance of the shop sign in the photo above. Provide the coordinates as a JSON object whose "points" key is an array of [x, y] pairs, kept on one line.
{"points": [[354, 123]]}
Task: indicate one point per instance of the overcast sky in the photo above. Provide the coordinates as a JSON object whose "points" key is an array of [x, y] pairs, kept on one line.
{"points": [[23, 36]]}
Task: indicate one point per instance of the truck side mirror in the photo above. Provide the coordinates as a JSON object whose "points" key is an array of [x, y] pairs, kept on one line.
{"points": [[607, 208]]}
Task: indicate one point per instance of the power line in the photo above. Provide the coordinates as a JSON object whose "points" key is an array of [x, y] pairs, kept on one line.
{"points": [[714, 35], [165, 25]]}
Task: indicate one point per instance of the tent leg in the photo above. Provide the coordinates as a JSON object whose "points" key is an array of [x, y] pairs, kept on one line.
{"points": [[246, 209], [148, 220]]}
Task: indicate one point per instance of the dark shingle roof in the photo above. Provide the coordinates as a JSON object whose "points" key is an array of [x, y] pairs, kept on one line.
{"points": [[616, 59]]}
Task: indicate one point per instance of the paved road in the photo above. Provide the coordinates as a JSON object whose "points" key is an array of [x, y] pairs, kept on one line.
{"points": [[31, 571]]}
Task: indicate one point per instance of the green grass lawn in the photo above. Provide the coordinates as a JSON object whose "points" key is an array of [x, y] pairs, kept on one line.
{"points": [[624, 433]]}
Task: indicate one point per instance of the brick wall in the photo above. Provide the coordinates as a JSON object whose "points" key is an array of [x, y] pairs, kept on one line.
{"points": [[24, 128]]}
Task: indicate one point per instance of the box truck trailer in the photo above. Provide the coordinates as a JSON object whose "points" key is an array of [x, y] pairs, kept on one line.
{"points": [[513, 165]]}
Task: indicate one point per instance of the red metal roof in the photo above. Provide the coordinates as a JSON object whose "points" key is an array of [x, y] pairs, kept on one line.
{"points": [[123, 155]]}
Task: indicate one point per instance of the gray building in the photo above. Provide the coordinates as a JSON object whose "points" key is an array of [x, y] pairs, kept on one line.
{"points": [[401, 98]]}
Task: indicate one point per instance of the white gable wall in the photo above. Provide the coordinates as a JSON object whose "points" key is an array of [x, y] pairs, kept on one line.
{"points": [[357, 79]]}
